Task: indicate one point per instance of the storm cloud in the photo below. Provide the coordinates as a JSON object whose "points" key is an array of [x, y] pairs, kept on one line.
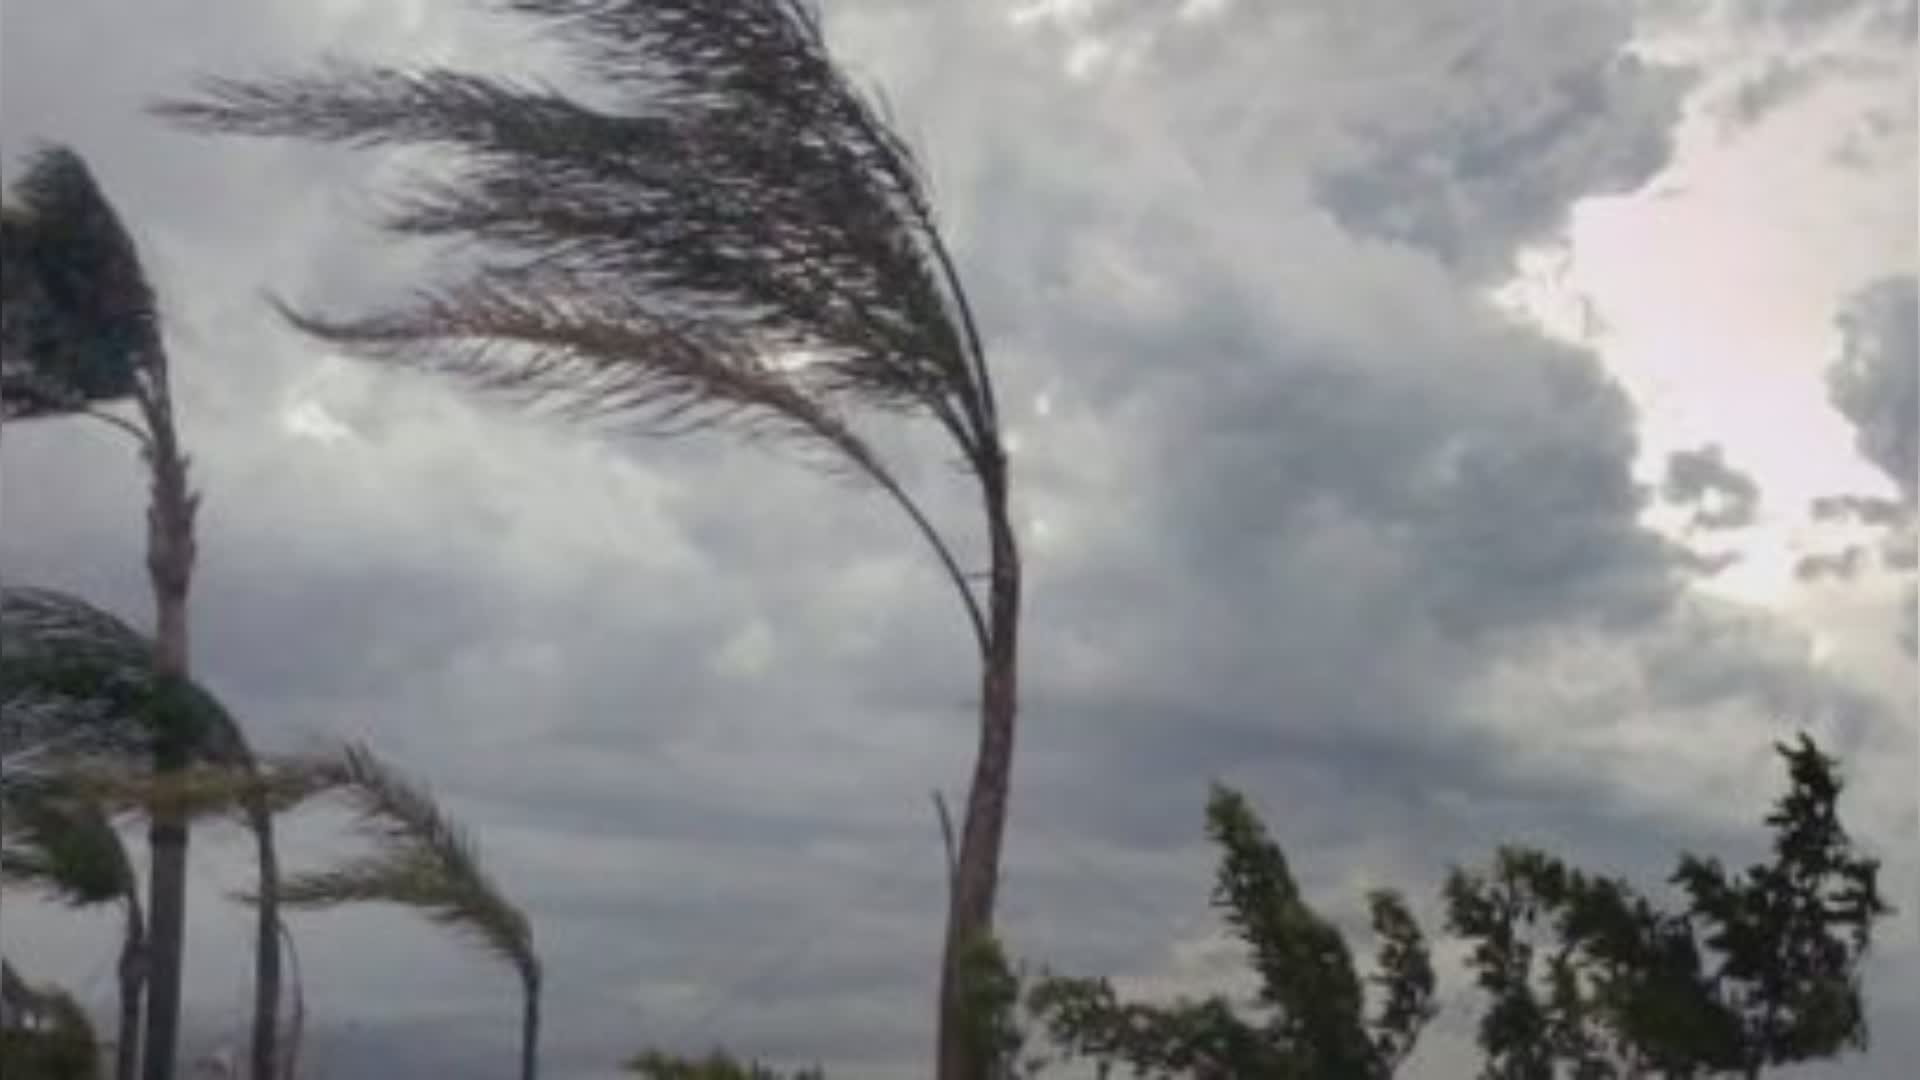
{"points": [[1302, 510]]}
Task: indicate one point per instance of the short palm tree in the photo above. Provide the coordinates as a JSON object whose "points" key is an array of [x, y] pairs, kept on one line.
{"points": [[79, 684], [730, 235], [421, 859]]}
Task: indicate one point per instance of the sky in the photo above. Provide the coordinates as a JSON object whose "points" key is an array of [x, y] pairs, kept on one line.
{"points": [[1452, 423]]}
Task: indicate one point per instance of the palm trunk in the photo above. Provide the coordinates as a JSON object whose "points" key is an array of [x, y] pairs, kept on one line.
{"points": [[133, 968], [266, 946], [976, 874], [170, 557], [530, 1029], [297, 1021]]}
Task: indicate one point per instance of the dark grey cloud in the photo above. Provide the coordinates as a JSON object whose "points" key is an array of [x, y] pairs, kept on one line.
{"points": [[1302, 512], [1875, 383], [1722, 496]]}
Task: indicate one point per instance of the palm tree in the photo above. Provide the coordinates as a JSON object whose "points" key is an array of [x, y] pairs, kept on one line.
{"points": [[64, 846], [423, 860], [737, 240], [79, 684]]}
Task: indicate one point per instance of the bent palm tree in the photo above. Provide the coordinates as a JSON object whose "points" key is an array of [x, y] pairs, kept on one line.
{"points": [[423, 860], [63, 845], [738, 239], [78, 684]]}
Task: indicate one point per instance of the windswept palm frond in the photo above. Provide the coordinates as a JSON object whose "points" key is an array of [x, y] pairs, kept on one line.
{"points": [[83, 702], [743, 185], [77, 678], [79, 314], [71, 675], [753, 250], [195, 792], [57, 840], [421, 859], [63, 845], [48, 1033]]}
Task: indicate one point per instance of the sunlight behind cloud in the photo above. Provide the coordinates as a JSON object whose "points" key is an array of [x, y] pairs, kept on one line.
{"points": [[1711, 295]]}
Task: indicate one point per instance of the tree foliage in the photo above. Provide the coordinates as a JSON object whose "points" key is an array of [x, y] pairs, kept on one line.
{"points": [[1310, 1018], [77, 679], [420, 859], [47, 1035], [86, 712], [77, 317], [1583, 976], [1757, 969]]}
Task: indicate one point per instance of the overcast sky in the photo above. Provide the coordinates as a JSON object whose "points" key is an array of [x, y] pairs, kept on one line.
{"points": [[1420, 407]]}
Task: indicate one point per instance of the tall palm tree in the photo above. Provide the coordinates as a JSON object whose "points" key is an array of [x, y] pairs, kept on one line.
{"points": [[733, 237], [423, 860], [64, 846], [78, 680]]}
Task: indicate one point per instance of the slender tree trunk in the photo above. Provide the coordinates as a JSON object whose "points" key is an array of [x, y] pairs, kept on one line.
{"points": [[133, 970], [297, 1021], [976, 876], [170, 557], [530, 1030], [266, 946]]}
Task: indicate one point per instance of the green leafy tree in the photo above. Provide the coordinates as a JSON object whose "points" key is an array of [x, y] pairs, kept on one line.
{"points": [[1586, 977], [83, 333], [421, 859], [1310, 1019], [729, 236], [77, 683]]}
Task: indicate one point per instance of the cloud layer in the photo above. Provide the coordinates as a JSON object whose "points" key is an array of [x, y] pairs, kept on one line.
{"points": [[1302, 510]]}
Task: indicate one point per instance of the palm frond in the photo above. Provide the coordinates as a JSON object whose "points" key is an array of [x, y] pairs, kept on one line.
{"points": [[196, 791], [65, 1044], [80, 325], [78, 678], [743, 187], [421, 859], [63, 845]]}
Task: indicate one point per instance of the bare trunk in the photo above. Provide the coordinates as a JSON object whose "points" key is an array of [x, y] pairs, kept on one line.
{"points": [[170, 556], [297, 1019], [530, 1031], [168, 840], [133, 968], [266, 947], [976, 871]]}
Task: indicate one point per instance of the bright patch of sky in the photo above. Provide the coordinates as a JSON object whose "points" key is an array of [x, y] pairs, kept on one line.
{"points": [[1711, 293]]}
